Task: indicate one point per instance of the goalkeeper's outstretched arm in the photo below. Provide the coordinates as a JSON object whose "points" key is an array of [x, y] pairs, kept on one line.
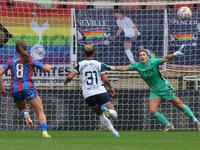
{"points": [[120, 68], [175, 54]]}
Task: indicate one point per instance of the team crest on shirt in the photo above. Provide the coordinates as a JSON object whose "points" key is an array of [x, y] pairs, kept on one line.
{"points": [[149, 66]]}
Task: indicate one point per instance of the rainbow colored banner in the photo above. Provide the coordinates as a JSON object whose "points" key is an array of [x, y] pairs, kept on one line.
{"points": [[183, 39], [91, 37], [183, 68], [46, 33]]}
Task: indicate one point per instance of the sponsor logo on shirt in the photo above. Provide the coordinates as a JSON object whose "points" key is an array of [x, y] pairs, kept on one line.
{"points": [[148, 71], [93, 88]]}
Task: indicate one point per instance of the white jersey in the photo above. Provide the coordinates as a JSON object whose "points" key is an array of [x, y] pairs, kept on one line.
{"points": [[90, 72], [127, 25]]}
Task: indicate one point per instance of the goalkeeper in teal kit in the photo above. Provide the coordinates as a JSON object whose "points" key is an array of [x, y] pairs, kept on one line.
{"points": [[160, 88]]}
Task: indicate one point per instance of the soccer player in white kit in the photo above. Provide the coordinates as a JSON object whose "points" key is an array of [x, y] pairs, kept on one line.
{"points": [[93, 78], [131, 33]]}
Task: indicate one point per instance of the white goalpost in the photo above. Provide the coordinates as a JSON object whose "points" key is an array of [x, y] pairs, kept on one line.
{"points": [[57, 36]]}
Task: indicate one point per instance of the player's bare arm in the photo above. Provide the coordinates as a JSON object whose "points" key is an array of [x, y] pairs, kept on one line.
{"points": [[3, 91], [171, 56], [107, 83], [120, 68], [46, 68], [70, 77], [123, 68], [167, 58]]}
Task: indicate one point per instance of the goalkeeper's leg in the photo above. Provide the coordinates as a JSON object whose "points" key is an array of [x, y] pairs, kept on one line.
{"points": [[154, 104], [186, 110]]}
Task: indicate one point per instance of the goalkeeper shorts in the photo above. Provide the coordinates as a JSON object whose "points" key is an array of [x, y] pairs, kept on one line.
{"points": [[169, 94]]}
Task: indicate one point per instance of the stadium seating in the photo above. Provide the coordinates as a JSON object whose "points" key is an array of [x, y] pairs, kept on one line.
{"points": [[191, 6], [77, 6], [177, 6], [128, 6], [156, 6], [22, 4], [3, 3], [108, 6]]}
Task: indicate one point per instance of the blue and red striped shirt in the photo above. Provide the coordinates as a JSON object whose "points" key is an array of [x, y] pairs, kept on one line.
{"points": [[21, 73]]}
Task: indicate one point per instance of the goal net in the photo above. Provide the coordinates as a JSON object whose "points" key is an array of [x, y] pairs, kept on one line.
{"points": [[56, 32]]}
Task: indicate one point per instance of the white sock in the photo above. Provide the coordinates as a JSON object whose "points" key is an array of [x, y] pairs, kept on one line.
{"points": [[168, 125], [130, 55], [113, 114], [195, 120], [106, 122]]}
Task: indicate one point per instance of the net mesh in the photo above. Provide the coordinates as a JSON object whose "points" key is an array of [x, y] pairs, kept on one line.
{"points": [[57, 34]]}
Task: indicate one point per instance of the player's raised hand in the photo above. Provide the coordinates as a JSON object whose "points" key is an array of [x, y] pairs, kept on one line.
{"points": [[106, 67], [180, 51], [3, 93], [112, 38]]}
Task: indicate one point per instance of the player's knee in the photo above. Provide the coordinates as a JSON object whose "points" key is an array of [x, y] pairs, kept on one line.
{"points": [[178, 105], [113, 114], [152, 111]]}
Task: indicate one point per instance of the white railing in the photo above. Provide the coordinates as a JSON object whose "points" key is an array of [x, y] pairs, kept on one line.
{"points": [[193, 78]]}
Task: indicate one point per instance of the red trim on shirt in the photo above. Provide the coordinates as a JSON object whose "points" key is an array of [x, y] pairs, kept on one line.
{"points": [[12, 76], [30, 70]]}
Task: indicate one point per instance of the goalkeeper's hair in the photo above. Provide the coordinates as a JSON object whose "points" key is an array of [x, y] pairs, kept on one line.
{"points": [[21, 49], [89, 50], [143, 50]]}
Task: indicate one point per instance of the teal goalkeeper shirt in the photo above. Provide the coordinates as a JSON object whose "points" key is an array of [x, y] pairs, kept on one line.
{"points": [[151, 75]]}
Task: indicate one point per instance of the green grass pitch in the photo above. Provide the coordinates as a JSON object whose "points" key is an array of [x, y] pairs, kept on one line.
{"points": [[100, 140]]}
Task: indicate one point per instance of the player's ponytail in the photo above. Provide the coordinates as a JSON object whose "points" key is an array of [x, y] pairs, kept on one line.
{"points": [[21, 49]]}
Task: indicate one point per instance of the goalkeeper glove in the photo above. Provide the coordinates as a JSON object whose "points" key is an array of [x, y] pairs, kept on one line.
{"points": [[179, 52], [106, 67]]}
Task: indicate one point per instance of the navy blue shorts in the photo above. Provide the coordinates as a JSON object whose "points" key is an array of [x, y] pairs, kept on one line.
{"points": [[25, 95], [99, 99]]}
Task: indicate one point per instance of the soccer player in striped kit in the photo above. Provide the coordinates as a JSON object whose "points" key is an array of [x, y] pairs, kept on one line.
{"points": [[93, 77], [22, 88]]}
